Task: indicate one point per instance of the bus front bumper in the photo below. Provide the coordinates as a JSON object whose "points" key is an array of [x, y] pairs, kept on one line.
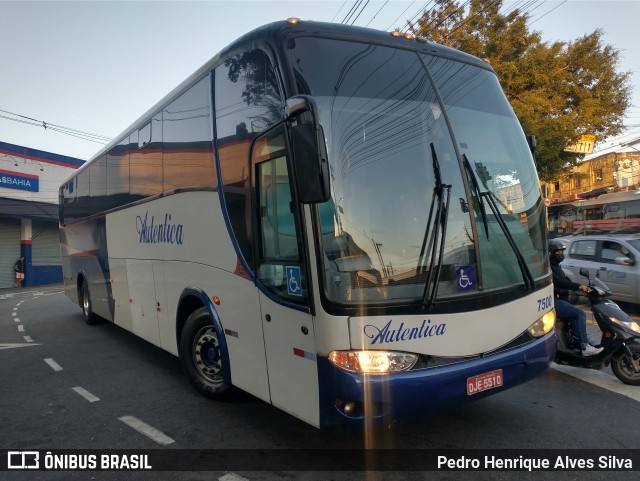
{"points": [[355, 402]]}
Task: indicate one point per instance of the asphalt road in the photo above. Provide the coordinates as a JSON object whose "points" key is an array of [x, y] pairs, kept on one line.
{"points": [[66, 385]]}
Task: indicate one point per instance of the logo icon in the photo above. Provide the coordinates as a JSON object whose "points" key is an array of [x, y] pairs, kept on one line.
{"points": [[465, 278], [23, 460]]}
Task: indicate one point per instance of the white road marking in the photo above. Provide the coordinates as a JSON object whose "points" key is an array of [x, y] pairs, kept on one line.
{"points": [[20, 328], [28, 339], [14, 314], [86, 394], [600, 379], [54, 365], [31, 293], [147, 430], [17, 319], [15, 344]]}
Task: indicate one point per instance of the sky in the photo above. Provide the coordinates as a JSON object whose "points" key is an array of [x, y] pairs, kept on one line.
{"points": [[96, 66]]}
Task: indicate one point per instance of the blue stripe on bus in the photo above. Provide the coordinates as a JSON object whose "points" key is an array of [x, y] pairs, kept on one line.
{"points": [[407, 396]]}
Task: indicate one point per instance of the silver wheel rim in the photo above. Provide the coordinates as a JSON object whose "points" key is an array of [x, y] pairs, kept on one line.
{"points": [[626, 366], [206, 355]]}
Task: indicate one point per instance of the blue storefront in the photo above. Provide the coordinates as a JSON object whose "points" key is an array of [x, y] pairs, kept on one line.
{"points": [[29, 181]]}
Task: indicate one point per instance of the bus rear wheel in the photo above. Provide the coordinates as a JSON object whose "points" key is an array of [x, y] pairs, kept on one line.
{"points": [[85, 302], [202, 358]]}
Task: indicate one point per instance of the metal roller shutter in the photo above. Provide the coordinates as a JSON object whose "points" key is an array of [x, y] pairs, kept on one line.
{"points": [[9, 251], [45, 244]]}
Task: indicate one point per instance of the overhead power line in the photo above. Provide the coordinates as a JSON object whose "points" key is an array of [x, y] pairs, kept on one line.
{"points": [[376, 14], [351, 11], [80, 134], [544, 15], [393, 23], [359, 13], [339, 10]]}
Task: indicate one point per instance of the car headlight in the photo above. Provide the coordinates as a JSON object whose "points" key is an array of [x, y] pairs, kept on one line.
{"points": [[543, 325], [373, 362], [633, 325]]}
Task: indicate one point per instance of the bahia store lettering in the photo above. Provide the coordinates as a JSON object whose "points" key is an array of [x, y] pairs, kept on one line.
{"points": [[165, 233], [15, 180], [395, 334]]}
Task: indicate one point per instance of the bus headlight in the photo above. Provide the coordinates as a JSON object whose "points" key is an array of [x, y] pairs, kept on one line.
{"points": [[373, 362], [543, 325]]}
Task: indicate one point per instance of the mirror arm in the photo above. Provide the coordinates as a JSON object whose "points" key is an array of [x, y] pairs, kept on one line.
{"points": [[300, 104]]}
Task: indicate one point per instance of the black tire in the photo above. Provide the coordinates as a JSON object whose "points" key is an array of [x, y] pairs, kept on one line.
{"points": [[202, 357], [85, 303], [622, 367]]}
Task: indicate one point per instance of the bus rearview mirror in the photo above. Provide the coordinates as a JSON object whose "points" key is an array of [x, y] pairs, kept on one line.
{"points": [[311, 167]]}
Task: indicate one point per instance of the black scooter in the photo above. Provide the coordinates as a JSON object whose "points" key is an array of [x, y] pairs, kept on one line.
{"points": [[620, 337]]}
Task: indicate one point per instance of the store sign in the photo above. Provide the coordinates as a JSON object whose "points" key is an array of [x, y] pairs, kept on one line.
{"points": [[18, 180], [583, 146]]}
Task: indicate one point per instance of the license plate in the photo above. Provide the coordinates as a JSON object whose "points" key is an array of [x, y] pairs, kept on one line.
{"points": [[483, 382]]}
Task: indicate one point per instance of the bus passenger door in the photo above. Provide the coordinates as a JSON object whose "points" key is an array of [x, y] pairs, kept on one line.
{"points": [[281, 278]]}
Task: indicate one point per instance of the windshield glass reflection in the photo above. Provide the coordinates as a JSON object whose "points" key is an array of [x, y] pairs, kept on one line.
{"points": [[383, 124], [491, 139]]}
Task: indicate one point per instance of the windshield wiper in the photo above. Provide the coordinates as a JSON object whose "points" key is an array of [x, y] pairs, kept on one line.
{"points": [[478, 192], [490, 198], [441, 206]]}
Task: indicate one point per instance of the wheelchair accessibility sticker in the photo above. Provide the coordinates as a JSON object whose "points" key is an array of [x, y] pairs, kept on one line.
{"points": [[465, 278], [294, 281]]}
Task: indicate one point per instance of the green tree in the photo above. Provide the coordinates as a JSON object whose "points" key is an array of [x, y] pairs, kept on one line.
{"points": [[558, 90]]}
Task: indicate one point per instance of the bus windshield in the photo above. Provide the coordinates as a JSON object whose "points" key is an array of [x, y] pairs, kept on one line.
{"points": [[402, 218]]}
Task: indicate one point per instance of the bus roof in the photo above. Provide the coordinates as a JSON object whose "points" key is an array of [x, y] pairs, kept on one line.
{"points": [[276, 32]]}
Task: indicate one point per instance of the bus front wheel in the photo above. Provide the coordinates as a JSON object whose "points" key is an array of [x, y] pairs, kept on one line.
{"points": [[201, 356]]}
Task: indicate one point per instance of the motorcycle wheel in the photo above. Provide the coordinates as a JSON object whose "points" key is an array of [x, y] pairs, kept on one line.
{"points": [[622, 366]]}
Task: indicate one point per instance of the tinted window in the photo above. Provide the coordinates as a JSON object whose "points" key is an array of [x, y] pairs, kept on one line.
{"points": [[98, 184], [186, 132], [632, 209], [279, 262], [83, 207], [613, 211], [146, 162], [68, 201], [144, 135], [247, 101], [118, 174]]}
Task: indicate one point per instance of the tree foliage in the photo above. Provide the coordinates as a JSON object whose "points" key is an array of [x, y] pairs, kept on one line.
{"points": [[558, 90]]}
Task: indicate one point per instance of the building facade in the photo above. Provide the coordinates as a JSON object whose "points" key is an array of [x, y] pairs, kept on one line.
{"points": [[597, 195], [597, 174], [29, 182]]}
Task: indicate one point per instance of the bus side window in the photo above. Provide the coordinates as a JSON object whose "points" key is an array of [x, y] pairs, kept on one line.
{"points": [[280, 267], [278, 239], [247, 101]]}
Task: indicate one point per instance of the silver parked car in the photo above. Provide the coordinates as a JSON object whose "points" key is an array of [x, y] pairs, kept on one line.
{"points": [[615, 259]]}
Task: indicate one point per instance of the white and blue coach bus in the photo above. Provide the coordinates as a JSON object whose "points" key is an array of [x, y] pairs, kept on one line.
{"points": [[343, 222]]}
